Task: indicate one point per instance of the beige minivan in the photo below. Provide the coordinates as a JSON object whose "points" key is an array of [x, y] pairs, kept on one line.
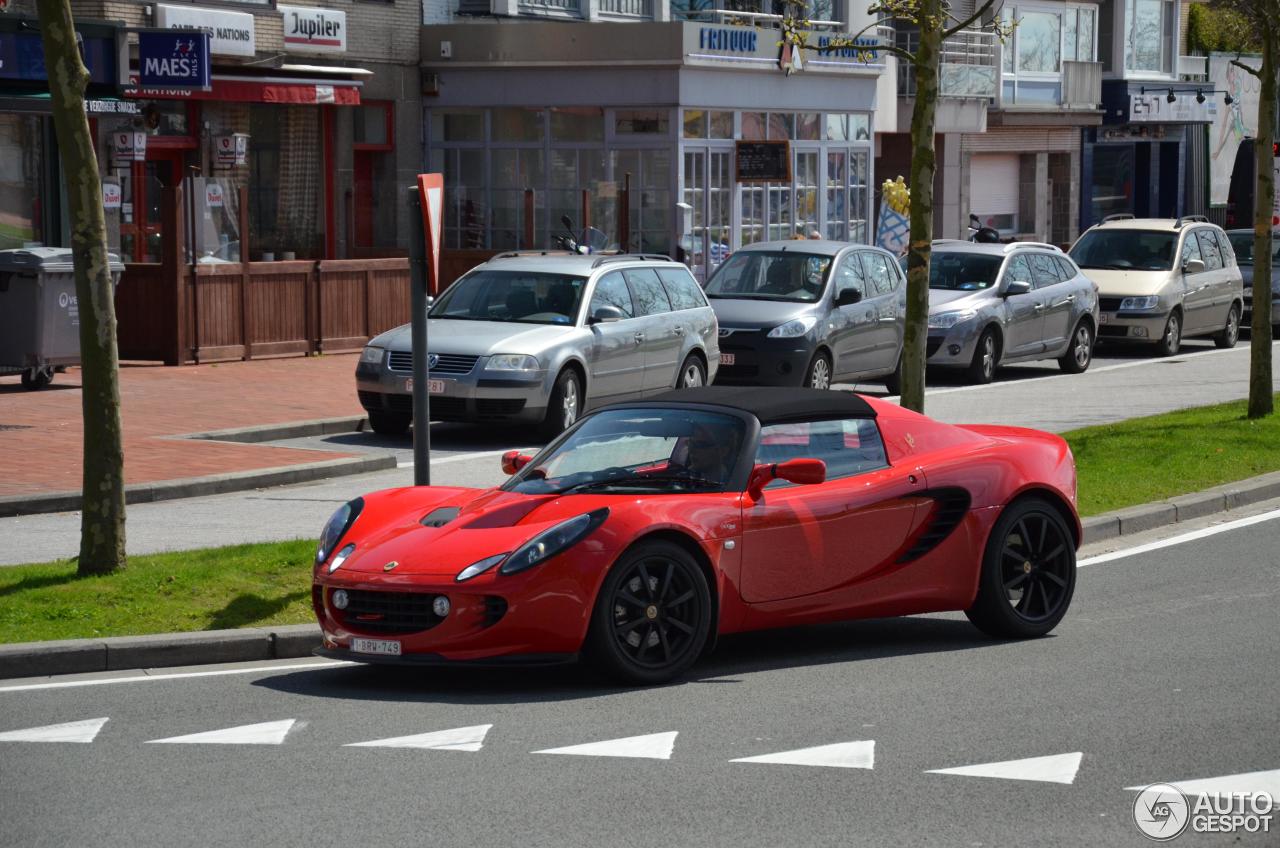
{"points": [[1161, 280]]}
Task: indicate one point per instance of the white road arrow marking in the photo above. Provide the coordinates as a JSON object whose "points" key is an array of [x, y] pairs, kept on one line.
{"points": [[457, 739], [267, 733], [654, 746], [72, 731], [1253, 781], [861, 755], [1058, 768]]}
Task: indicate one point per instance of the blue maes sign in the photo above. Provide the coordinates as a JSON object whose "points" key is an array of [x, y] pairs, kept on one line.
{"points": [[174, 58]]}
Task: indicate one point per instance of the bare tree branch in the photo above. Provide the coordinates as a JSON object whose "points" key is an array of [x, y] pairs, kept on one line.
{"points": [[1242, 66]]}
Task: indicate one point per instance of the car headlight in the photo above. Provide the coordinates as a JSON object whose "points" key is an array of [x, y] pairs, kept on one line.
{"points": [[371, 354], [512, 362], [794, 329], [338, 525], [548, 543], [478, 568], [1137, 304], [947, 320], [340, 557]]}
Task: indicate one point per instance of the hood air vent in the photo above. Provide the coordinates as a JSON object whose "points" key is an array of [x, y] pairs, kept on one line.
{"points": [[439, 517]]}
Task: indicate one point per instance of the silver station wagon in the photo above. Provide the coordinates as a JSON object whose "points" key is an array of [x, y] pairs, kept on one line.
{"points": [[541, 338], [1002, 303]]}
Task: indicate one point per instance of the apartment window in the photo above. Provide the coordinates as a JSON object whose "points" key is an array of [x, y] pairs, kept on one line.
{"points": [[1149, 37], [1045, 37], [22, 184], [1039, 38]]}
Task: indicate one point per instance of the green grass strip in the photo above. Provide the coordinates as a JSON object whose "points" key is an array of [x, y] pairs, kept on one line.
{"points": [[1131, 462]]}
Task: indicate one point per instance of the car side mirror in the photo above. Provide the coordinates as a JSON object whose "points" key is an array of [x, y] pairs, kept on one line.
{"points": [[1016, 287], [606, 314], [848, 297], [513, 461], [803, 471], [1193, 266]]}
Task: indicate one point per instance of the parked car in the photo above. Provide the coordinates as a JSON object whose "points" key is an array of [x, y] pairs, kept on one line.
{"points": [[994, 304], [540, 339], [652, 527], [809, 313], [1242, 242], [1162, 280]]}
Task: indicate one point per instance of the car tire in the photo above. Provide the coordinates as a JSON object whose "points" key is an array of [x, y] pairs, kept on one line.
{"points": [[1032, 553], [389, 423], [692, 373], [986, 355], [654, 593], [1230, 334], [1171, 340], [1080, 351], [34, 379], [565, 405], [818, 374], [893, 382]]}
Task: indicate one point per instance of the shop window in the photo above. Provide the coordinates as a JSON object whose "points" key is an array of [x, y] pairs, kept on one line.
{"points": [[837, 127], [1112, 180], [782, 126], [457, 126], [466, 209], [695, 123], [513, 171], [860, 127], [721, 124], [641, 122], [585, 124], [808, 127], [21, 181], [753, 126], [517, 124], [286, 185], [374, 197], [651, 202], [373, 125]]}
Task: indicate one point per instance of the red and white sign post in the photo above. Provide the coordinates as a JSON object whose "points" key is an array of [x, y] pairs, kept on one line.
{"points": [[427, 199]]}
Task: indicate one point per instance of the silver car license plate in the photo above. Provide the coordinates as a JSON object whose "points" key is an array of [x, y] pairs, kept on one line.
{"points": [[386, 647], [434, 387]]}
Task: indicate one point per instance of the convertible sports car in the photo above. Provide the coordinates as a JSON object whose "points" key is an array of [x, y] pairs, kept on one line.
{"points": [[652, 527]]}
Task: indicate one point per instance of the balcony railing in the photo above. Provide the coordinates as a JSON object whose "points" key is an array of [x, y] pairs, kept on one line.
{"points": [[746, 15], [552, 8], [1193, 68], [627, 8], [968, 66]]}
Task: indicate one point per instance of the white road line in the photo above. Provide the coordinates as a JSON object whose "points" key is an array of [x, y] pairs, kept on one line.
{"points": [[266, 733], [1249, 783], [149, 678], [1058, 768], [1180, 539], [72, 731], [654, 746], [860, 755], [464, 457], [457, 739]]}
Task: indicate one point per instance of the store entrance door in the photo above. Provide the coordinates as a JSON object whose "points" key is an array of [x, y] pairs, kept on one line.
{"points": [[141, 237], [708, 188]]}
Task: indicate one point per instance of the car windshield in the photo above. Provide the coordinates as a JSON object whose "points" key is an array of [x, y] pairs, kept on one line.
{"points": [[629, 451], [1243, 244], [524, 297], [771, 275], [1126, 250], [963, 271]]}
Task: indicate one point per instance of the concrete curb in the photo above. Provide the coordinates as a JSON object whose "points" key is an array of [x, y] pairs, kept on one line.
{"points": [[214, 484], [31, 659], [280, 432]]}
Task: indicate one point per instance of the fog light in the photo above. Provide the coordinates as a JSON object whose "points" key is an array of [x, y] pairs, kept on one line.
{"points": [[339, 599], [954, 349], [1140, 332], [440, 606]]}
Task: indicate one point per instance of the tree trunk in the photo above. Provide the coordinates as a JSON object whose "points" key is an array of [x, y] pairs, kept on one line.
{"points": [[1261, 391], [102, 514], [922, 171]]}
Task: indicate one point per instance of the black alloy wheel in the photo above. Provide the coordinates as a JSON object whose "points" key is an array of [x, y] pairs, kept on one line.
{"points": [[35, 379], [653, 616], [1028, 572]]}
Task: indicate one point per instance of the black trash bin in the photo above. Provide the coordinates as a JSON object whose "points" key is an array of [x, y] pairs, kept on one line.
{"points": [[39, 315]]}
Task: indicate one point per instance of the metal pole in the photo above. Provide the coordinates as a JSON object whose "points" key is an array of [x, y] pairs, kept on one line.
{"points": [[418, 337]]}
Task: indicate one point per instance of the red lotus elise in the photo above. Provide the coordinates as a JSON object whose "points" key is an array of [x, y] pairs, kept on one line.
{"points": [[651, 527]]}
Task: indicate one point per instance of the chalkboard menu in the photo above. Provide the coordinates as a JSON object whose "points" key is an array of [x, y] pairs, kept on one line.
{"points": [[763, 161]]}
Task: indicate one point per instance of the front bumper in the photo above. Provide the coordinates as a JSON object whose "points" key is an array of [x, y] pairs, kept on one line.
{"points": [[1247, 319], [954, 346], [762, 361], [474, 396], [1132, 326]]}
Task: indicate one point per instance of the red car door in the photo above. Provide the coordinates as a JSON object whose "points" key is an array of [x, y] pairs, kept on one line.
{"points": [[805, 539]]}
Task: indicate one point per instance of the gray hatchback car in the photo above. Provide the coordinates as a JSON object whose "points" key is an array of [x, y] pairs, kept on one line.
{"points": [[809, 313], [1000, 303], [541, 338]]}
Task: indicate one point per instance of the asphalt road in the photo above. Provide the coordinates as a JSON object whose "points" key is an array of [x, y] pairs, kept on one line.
{"points": [[1164, 670], [1122, 383]]}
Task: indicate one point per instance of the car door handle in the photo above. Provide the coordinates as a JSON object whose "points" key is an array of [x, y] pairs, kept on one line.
{"points": [[639, 337], [679, 331], [1039, 307]]}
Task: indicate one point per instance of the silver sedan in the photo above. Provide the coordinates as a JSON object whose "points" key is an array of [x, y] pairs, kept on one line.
{"points": [[992, 304]]}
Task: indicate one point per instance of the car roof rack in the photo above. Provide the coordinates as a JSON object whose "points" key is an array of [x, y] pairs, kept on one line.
{"points": [[1039, 245], [1120, 216], [1195, 219], [623, 257], [516, 254]]}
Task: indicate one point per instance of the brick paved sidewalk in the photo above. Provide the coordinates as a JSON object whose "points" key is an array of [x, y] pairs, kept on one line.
{"points": [[41, 434]]}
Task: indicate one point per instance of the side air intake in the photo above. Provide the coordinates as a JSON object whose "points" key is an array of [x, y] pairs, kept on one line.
{"points": [[949, 508]]}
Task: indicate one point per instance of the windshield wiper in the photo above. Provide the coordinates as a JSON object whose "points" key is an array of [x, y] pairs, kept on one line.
{"points": [[638, 479]]}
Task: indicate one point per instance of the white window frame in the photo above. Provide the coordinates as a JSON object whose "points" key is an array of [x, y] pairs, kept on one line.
{"points": [[1057, 9]]}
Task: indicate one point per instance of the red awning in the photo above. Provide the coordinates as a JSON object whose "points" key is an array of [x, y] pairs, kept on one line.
{"points": [[266, 90]]}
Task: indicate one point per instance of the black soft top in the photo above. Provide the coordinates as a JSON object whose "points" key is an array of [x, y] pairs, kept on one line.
{"points": [[773, 405]]}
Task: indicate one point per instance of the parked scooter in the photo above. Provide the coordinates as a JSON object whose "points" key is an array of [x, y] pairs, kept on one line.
{"points": [[591, 240], [979, 233]]}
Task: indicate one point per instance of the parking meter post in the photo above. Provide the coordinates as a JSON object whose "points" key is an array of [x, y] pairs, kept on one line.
{"points": [[418, 336]]}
